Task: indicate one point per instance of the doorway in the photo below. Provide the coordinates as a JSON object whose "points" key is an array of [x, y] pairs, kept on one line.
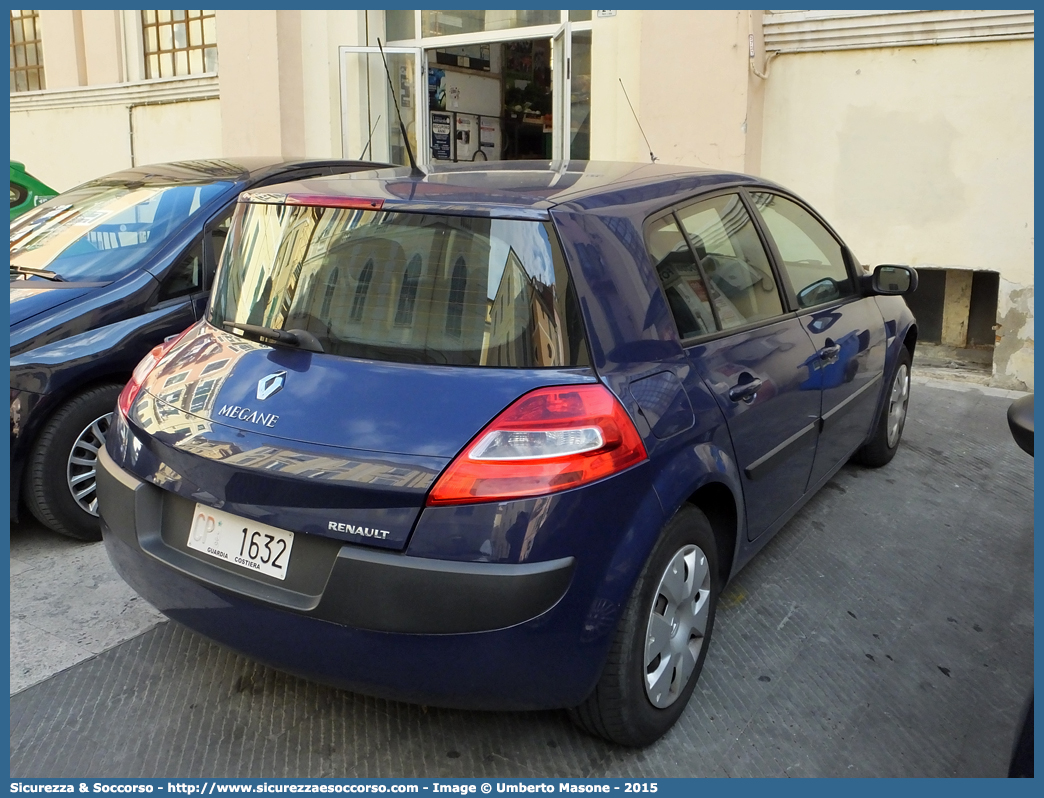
{"points": [[515, 99]]}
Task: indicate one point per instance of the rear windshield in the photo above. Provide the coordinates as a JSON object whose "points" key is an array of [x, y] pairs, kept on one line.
{"points": [[403, 287]]}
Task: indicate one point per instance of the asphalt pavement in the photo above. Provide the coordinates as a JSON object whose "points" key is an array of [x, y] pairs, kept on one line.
{"points": [[887, 630]]}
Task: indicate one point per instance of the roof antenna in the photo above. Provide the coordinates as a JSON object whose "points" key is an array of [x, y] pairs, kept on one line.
{"points": [[415, 171], [647, 144], [370, 139]]}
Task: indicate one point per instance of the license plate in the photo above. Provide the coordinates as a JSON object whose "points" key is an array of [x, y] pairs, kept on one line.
{"points": [[257, 547]]}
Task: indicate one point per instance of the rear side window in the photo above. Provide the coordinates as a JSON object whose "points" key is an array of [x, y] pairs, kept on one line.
{"points": [[742, 287], [403, 287], [713, 267], [681, 279], [812, 258]]}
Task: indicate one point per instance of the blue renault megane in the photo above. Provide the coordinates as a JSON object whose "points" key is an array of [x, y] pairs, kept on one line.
{"points": [[496, 436]]}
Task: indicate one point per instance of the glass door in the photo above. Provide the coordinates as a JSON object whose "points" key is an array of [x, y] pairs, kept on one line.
{"points": [[561, 91], [370, 127]]}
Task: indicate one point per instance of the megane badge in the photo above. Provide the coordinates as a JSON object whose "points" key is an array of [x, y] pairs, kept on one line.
{"points": [[273, 383]]}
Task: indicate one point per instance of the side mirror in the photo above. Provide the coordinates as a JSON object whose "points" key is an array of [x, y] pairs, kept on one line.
{"points": [[1020, 422], [893, 280]]}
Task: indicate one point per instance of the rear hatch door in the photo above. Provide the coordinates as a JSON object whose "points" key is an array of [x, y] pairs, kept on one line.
{"points": [[426, 328]]}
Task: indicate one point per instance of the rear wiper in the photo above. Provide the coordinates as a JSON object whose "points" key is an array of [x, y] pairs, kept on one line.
{"points": [[47, 275], [301, 339]]}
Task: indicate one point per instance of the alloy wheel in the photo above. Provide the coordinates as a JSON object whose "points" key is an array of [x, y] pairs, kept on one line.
{"points": [[677, 625], [82, 467], [897, 404]]}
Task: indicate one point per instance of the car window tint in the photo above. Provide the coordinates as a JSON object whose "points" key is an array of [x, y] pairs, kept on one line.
{"points": [[682, 283], [403, 287], [811, 256], [216, 233], [103, 229], [739, 276], [186, 277]]}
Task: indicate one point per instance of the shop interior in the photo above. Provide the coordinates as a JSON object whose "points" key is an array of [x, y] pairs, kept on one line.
{"points": [[492, 102]]}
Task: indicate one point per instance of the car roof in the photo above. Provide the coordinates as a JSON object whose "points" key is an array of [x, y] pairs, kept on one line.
{"points": [[511, 189], [248, 169]]}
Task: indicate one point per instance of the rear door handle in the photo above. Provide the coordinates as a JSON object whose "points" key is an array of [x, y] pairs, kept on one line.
{"points": [[745, 391]]}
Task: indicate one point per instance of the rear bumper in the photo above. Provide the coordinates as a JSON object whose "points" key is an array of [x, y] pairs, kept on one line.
{"points": [[447, 633], [366, 589]]}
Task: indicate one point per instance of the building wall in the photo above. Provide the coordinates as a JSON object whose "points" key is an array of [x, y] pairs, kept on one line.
{"points": [[177, 131], [686, 76], [68, 136], [67, 146], [919, 155]]}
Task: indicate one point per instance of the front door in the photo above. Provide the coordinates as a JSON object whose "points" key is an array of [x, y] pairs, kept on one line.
{"points": [[846, 329]]}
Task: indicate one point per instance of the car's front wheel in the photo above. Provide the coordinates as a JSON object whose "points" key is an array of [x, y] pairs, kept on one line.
{"points": [[884, 443], [662, 639], [61, 474]]}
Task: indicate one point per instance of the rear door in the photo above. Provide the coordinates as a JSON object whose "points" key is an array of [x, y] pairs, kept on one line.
{"points": [[758, 361], [846, 329]]}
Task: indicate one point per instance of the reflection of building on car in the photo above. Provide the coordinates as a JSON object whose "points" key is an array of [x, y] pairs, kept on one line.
{"points": [[99, 275], [401, 297]]}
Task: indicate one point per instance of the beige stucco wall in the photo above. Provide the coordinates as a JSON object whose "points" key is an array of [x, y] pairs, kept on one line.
{"points": [[68, 146], [687, 78], [177, 131], [280, 80], [322, 32], [919, 155]]}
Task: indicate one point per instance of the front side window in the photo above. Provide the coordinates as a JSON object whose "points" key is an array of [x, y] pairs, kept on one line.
{"points": [[179, 43], [812, 257], [403, 287], [740, 282], [27, 72]]}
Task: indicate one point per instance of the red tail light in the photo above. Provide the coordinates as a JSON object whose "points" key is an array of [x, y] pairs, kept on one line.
{"points": [[550, 440], [141, 372]]}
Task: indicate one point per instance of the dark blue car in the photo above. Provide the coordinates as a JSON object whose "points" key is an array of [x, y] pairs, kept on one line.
{"points": [[497, 436], [99, 276]]}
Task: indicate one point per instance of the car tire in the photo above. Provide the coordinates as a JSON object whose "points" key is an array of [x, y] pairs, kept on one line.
{"points": [[640, 693], [65, 458], [888, 432]]}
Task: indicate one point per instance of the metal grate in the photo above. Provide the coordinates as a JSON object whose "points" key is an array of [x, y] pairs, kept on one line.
{"points": [[27, 72], [179, 43]]}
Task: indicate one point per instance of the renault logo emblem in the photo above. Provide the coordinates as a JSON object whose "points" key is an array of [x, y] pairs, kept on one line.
{"points": [[273, 383]]}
